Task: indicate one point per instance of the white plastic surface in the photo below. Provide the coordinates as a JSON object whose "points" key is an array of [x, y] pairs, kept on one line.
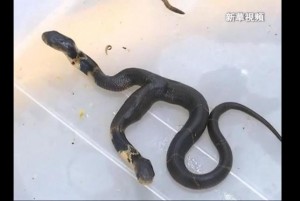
{"points": [[62, 119]]}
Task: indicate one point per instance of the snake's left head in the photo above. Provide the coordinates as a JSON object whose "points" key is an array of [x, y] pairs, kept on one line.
{"points": [[144, 170], [61, 43]]}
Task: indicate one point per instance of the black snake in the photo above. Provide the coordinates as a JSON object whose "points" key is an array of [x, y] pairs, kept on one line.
{"points": [[172, 8], [156, 88]]}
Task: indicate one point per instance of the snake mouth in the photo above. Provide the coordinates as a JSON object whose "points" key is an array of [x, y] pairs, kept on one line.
{"points": [[145, 182], [61, 43]]}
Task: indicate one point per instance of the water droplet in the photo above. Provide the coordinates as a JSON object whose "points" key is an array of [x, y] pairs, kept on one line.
{"points": [[163, 145], [228, 196], [194, 165], [244, 72]]}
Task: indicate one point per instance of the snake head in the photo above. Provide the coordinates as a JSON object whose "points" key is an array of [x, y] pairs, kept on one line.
{"points": [[144, 170], [61, 43]]}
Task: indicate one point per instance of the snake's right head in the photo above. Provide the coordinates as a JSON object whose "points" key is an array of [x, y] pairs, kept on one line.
{"points": [[144, 170], [61, 43]]}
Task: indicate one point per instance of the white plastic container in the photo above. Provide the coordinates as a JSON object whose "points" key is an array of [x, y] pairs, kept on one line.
{"points": [[62, 119]]}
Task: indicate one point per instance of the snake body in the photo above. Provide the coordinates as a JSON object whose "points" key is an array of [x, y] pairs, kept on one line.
{"points": [[155, 88], [172, 8]]}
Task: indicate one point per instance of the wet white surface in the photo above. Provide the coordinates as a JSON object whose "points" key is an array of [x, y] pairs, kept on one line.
{"points": [[62, 119]]}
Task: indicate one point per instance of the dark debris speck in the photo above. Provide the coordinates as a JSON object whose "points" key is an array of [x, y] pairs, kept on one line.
{"points": [[124, 48], [73, 143]]}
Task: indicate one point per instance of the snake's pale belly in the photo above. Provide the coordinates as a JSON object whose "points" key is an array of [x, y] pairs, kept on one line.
{"points": [[155, 88]]}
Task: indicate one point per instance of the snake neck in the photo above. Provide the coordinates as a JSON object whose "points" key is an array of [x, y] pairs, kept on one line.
{"points": [[89, 67], [85, 64]]}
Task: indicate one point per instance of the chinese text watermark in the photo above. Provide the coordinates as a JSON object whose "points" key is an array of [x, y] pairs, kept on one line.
{"points": [[245, 17]]}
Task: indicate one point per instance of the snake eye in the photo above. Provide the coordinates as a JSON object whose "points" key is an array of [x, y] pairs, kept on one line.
{"points": [[73, 62]]}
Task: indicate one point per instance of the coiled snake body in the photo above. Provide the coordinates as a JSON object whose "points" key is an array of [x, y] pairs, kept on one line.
{"points": [[156, 88]]}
